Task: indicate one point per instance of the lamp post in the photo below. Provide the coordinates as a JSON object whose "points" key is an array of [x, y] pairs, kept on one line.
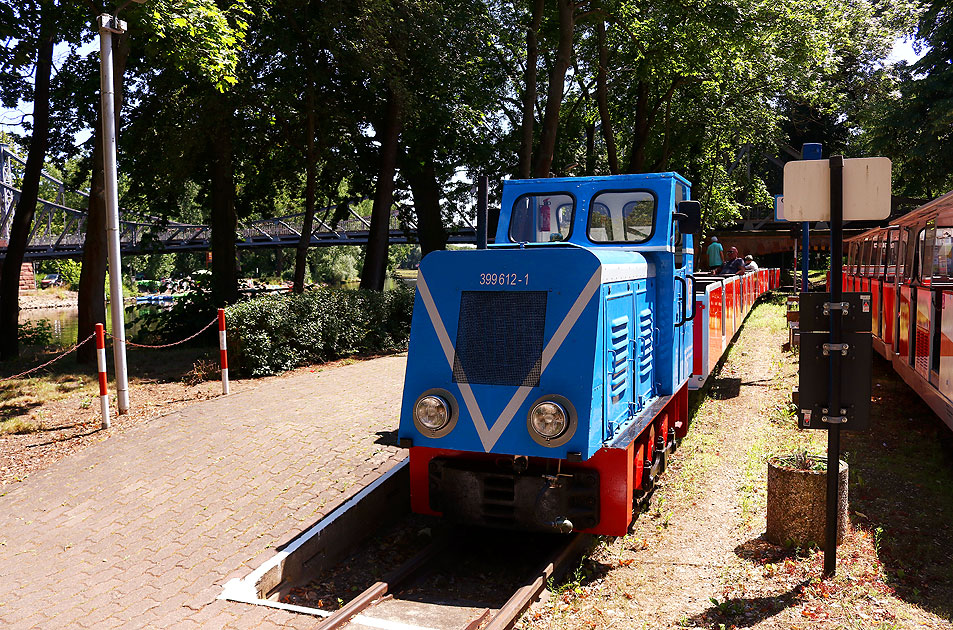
{"points": [[108, 25]]}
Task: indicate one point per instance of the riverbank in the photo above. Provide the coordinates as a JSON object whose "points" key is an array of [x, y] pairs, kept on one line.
{"points": [[55, 297]]}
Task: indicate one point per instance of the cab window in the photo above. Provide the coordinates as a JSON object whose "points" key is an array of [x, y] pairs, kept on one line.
{"points": [[621, 217], [542, 218]]}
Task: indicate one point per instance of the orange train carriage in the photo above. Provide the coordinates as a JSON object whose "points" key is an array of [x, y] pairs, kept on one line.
{"points": [[907, 268]]}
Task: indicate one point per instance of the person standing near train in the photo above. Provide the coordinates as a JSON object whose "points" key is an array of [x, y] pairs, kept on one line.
{"points": [[714, 254]]}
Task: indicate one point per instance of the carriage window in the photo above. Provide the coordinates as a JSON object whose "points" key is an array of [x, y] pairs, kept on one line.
{"points": [[943, 254], [906, 254], [881, 256], [865, 259], [893, 249], [542, 218], [621, 217]]}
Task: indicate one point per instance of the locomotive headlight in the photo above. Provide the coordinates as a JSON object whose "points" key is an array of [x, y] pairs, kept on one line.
{"points": [[552, 421], [435, 413], [432, 411], [549, 419]]}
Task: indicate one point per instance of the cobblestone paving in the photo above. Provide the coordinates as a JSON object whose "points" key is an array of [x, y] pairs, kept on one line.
{"points": [[144, 529]]}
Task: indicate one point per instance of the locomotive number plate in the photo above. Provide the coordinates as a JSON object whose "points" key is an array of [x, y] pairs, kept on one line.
{"points": [[507, 279]]}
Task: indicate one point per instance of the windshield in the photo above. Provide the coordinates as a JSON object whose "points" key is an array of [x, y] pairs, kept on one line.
{"points": [[541, 218], [617, 217]]}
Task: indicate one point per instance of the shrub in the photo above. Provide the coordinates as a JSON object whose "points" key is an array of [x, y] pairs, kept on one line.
{"points": [[35, 333], [280, 332]]}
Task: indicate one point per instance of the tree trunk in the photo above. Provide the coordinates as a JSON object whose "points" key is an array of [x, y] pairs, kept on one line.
{"points": [[554, 97], [26, 206], [375, 257], [301, 254], [602, 96], [666, 154], [92, 277], [591, 148], [641, 132], [529, 92], [222, 197], [426, 190]]}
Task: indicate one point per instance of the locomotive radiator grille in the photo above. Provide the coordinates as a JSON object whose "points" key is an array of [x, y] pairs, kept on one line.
{"points": [[500, 338]]}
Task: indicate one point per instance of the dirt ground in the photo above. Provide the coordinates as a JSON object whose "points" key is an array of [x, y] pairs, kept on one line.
{"points": [[696, 557]]}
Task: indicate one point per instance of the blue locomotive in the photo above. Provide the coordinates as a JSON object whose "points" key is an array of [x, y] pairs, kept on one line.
{"points": [[547, 375]]}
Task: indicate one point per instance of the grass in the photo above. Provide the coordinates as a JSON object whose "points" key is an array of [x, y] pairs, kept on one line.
{"points": [[23, 400]]}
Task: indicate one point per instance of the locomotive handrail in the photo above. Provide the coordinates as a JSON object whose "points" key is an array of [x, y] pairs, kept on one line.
{"points": [[685, 300], [694, 303]]}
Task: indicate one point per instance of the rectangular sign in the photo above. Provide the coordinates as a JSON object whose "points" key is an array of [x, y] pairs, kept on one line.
{"points": [[856, 317], [813, 381], [807, 189], [779, 208]]}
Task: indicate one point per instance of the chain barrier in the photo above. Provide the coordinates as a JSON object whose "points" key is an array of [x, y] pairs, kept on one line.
{"points": [[53, 360], [166, 345]]}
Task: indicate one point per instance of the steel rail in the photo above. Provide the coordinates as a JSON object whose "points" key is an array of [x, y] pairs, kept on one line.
{"points": [[556, 564], [378, 590]]}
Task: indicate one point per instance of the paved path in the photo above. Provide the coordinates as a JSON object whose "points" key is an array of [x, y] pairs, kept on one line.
{"points": [[143, 530]]}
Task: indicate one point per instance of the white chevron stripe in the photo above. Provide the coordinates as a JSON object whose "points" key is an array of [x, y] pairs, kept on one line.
{"points": [[490, 435]]}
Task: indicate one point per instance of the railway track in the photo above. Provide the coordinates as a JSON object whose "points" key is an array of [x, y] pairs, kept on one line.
{"points": [[462, 582]]}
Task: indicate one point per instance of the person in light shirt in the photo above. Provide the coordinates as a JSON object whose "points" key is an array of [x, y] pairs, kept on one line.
{"points": [[750, 264], [714, 254]]}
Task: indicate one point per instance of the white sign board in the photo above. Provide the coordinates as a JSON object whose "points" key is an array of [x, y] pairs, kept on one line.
{"points": [[807, 189]]}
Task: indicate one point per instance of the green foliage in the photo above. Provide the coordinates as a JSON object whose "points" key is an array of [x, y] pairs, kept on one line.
{"points": [[802, 459], [68, 269], [35, 333], [280, 332], [335, 264], [910, 119], [201, 36]]}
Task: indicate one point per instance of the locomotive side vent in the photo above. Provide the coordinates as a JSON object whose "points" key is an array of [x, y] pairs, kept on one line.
{"points": [[500, 338]]}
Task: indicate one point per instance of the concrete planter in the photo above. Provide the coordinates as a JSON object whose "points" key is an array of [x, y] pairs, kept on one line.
{"points": [[797, 505]]}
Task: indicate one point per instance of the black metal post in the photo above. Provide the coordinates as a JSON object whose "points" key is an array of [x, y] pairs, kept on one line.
{"points": [[834, 399], [483, 191]]}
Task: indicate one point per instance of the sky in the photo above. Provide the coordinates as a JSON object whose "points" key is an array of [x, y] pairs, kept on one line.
{"points": [[10, 118]]}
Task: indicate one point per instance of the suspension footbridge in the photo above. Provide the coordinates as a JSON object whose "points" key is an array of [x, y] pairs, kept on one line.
{"points": [[59, 231]]}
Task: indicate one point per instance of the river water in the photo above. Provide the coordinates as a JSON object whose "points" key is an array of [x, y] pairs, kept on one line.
{"points": [[65, 321]]}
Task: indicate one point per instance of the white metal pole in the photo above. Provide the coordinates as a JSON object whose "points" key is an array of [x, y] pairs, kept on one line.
{"points": [[107, 26]]}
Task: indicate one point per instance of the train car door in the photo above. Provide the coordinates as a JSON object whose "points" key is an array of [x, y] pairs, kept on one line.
{"points": [[684, 350], [888, 310], [876, 282], [941, 282], [644, 365], [924, 301], [945, 383], [619, 349]]}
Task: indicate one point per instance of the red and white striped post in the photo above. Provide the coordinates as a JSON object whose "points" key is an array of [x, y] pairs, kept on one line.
{"points": [[101, 362], [222, 350]]}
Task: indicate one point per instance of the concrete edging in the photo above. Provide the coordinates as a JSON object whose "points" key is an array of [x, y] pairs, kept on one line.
{"points": [[326, 542]]}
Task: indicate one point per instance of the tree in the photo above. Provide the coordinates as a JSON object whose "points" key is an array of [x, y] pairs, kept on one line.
{"points": [[41, 24], [911, 120]]}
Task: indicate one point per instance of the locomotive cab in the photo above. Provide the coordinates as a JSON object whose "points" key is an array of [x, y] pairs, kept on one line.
{"points": [[546, 375]]}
